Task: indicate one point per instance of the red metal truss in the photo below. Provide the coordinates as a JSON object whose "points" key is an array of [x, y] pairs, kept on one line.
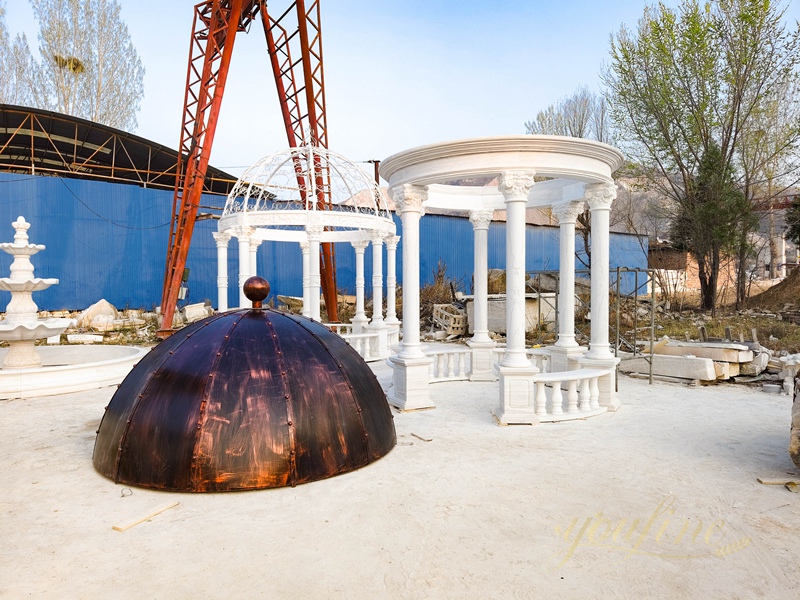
{"points": [[216, 23], [303, 106]]}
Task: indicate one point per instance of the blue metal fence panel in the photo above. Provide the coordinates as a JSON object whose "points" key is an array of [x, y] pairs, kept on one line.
{"points": [[109, 241]]}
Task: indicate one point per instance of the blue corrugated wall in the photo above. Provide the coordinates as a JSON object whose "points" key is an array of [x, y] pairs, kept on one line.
{"points": [[110, 240]]}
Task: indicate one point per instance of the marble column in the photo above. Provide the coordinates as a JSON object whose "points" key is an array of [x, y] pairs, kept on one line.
{"points": [[304, 248], [222, 240], [515, 370], [243, 236], [314, 233], [482, 345], [391, 280], [360, 319], [566, 349], [599, 197], [410, 388]]}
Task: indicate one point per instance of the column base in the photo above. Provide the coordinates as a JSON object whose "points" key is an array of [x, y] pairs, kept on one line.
{"points": [[482, 361], [410, 383], [516, 396], [565, 358], [608, 383]]}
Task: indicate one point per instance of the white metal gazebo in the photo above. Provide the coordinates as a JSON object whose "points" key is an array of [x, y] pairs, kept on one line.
{"points": [[275, 200]]}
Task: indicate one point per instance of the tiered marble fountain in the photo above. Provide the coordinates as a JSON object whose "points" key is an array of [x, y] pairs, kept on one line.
{"points": [[22, 325], [28, 371]]}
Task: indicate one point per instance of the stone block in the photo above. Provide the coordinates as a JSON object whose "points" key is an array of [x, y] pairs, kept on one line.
{"points": [[732, 353], [682, 367]]}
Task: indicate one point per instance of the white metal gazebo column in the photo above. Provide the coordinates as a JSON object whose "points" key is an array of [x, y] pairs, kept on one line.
{"points": [[381, 345], [515, 370], [566, 349], [243, 235], [391, 280], [482, 345], [599, 197], [360, 319], [410, 389], [314, 233], [222, 239], [304, 248], [254, 245]]}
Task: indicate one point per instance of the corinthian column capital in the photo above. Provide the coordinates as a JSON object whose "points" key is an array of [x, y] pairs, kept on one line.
{"points": [[515, 185], [599, 196], [481, 218], [314, 232], [221, 238], [409, 198], [568, 212]]}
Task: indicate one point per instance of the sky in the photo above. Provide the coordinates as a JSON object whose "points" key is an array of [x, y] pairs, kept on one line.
{"points": [[398, 73]]}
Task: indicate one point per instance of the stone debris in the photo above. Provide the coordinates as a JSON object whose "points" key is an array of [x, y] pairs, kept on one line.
{"points": [[195, 312], [705, 361], [98, 315]]}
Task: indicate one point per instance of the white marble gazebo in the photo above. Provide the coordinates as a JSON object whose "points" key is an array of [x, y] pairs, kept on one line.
{"points": [[278, 199], [562, 173]]}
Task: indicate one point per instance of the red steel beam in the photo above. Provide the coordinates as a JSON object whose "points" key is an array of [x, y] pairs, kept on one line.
{"points": [[216, 23]]}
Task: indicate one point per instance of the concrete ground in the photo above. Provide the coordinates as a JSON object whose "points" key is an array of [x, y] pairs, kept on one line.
{"points": [[658, 500]]}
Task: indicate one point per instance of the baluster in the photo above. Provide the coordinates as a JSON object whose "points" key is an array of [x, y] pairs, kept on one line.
{"points": [[451, 364], [572, 396], [441, 365], [558, 399], [585, 396], [594, 401], [541, 399]]}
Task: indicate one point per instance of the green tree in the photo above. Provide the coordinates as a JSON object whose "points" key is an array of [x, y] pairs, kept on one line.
{"points": [[701, 77], [710, 220]]}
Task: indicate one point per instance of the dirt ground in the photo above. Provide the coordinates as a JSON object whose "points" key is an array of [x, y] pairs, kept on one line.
{"points": [[657, 500]]}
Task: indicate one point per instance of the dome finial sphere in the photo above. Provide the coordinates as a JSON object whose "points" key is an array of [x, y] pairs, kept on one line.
{"points": [[256, 289]]}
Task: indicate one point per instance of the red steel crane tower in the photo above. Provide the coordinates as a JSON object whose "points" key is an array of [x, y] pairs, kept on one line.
{"points": [[294, 45]]}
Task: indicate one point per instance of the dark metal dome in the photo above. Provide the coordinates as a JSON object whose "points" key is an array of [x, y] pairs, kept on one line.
{"points": [[242, 400]]}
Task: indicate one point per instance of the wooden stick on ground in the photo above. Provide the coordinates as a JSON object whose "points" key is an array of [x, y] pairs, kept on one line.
{"points": [[153, 513], [777, 481]]}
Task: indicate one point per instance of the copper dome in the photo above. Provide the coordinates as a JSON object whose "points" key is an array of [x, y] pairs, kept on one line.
{"points": [[247, 399]]}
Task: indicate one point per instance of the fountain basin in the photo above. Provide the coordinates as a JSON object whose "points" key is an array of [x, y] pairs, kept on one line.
{"points": [[28, 285], [24, 330], [68, 369]]}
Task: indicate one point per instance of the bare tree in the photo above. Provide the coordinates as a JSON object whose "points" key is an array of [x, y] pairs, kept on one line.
{"points": [[89, 66], [19, 70], [583, 115]]}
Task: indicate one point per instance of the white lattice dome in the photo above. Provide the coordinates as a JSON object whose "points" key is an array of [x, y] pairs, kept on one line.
{"points": [[305, 186]]}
